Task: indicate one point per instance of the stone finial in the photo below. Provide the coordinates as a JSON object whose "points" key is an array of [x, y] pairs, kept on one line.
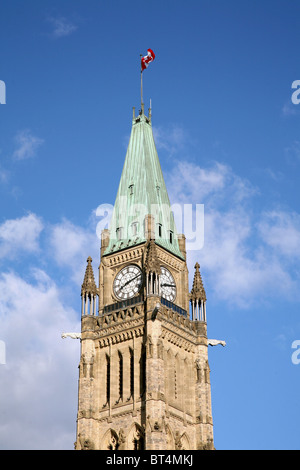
{"points": [[89, 285], [198, 291]]}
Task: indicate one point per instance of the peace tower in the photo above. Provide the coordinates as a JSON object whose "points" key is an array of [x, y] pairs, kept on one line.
{"points": [[144, 378]]}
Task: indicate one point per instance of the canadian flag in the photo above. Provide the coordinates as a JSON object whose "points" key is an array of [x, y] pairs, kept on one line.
{"points": [[145, 61]]}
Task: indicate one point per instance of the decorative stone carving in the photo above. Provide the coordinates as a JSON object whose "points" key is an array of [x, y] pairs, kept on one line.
{"points": [[71, 335], [83, 443], [160, 349], [121, 439], [178, 444], [87, 366], [156, 424], [215, 342]]}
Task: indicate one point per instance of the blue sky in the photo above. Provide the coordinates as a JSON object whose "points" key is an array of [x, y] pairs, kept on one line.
{"points": [[227, 134]]}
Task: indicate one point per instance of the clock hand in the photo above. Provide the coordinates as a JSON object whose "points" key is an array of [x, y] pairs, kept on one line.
{"points": [[168, 285], [130, 280]]}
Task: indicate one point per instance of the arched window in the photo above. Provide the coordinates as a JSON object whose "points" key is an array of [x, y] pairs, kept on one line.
{"points": [[110, 440], [136, 440], [138, 443]]}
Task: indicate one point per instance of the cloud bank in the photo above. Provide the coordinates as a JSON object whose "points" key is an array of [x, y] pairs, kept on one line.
{"points": [[248, 253]]}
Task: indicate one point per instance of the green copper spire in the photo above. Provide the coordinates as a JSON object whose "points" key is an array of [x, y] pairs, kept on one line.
{"points": [[142, 191]]}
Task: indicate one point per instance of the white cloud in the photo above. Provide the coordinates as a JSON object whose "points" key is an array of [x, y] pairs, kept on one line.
{"points": [[39, 380], [62, 27], [26, 145], [20, 235], [171, 139], [194, 183], [239, 269], [281, 231], [71, 245], [242, 254], [38, 395]]}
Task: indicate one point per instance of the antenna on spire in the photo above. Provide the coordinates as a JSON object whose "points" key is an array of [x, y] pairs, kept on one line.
{"points": [[150, 111]]}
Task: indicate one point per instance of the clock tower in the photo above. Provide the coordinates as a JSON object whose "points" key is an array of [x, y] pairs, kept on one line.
{"points": [[144, 378]]}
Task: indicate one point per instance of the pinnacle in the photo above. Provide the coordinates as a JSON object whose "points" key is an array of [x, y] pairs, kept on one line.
{"points": [[89, 285], [198, 291]]}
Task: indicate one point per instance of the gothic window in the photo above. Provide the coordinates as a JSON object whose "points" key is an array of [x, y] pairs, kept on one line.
{"points": [[138, 443], [131, 189], [110, 441], [170, 439], [107, 379], [185, 444], [136, 438]]}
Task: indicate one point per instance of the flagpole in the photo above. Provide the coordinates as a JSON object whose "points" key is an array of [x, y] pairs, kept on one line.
{"points": [[141, 83], [142, 88]]}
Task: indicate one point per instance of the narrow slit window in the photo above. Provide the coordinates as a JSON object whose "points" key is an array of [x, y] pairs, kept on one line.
{"points": [[143, 372], [159, 230], [171, 236], [107, 379], [131, 373], [120, 376], [119, 233], [131, 189], [134, 229]]}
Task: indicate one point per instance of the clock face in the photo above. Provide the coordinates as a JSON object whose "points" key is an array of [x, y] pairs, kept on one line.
{"points": [[167, 285], [128, 282]]}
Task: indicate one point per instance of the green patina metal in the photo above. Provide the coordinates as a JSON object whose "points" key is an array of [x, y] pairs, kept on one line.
{"points": [[142, 191]]}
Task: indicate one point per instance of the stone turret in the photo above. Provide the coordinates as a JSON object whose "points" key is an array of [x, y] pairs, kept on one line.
{"points": [[198, 296], [89, 291]]}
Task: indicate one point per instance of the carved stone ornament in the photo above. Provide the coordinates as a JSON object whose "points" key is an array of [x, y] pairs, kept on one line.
{"points": [[156, 424], [84, 443]]}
